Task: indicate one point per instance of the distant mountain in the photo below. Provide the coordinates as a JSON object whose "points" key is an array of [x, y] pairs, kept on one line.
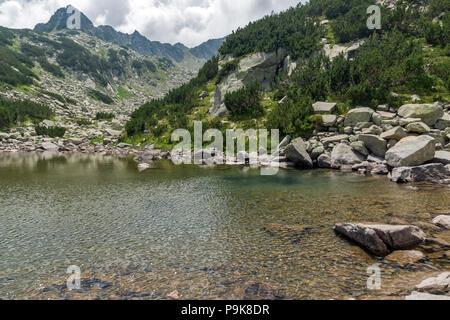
{"points": [[208, 49], [135, 41]]}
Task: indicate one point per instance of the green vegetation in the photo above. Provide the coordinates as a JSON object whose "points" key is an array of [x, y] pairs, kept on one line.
{"points": [[58, 97], [97, 95], [409, 55], [104, 116], [15, 68], [124, 93], [143, 66], [12, 112], [246, 101], [50, 67], [226, 69], [52, 132]]}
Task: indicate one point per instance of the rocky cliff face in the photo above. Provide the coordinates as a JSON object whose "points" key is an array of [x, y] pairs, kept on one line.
{"points": [[260, 67]]}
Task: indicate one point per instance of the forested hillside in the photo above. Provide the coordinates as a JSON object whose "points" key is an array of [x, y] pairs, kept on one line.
{"points": [[410, 55]]}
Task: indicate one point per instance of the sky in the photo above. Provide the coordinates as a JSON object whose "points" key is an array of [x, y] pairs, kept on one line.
{"points": [[190, 22]]}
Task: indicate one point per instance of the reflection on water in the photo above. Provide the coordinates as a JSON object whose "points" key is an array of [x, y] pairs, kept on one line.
{"points": [[199, 231]]}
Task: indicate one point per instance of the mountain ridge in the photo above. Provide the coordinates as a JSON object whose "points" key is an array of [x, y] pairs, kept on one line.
{"points": [[135, 41]]}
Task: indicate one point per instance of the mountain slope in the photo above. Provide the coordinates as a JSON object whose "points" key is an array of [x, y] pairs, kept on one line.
{"points": [[318, 51]]}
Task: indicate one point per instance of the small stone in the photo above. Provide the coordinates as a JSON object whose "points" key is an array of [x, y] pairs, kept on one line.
{"points": [[404, 258]]}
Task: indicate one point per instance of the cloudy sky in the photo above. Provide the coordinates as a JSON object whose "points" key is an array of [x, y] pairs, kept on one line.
{"points": [[188, 21]]}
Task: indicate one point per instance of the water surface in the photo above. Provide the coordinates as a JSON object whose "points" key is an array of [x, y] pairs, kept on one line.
{"points": [[195, 230]]}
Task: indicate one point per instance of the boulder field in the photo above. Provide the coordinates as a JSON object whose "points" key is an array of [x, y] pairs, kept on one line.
{"points": [[411, 144]]}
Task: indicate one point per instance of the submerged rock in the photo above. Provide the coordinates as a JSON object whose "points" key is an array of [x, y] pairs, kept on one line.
{"points": [[292, 233], [382, 239], [411, 151], [404, 258]]}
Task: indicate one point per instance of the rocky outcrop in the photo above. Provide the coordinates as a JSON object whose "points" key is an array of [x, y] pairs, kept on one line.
{"points": [[324, 107], [343, 154], [433, 173], [429, 113], [381, 240], [261, 67], [411, 151], [442, 157], [297, 153]]}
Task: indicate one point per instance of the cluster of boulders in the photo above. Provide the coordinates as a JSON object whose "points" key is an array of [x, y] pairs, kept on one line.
{"points": [[379, 142]]}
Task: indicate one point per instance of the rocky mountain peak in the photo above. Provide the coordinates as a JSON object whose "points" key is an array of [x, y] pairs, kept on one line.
{"points": [[59, 21]]}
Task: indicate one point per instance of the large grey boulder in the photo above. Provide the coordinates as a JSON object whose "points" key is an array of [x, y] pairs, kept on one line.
{"points": [[329, 120], [358, 115], [433, 173], [411, 151], [381, 239], [429, 113], [324, 107], [343, 154], [48, 146], [374, 143], [260, 67], [418, 127], [297, 153], [335, 139], [324, 161]]}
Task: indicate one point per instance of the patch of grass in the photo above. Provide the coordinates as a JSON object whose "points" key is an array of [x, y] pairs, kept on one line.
{"points": [[124, 93]]}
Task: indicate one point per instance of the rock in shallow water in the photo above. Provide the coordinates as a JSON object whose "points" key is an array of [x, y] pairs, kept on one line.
{"points": [[425, 296], [404, 258], [344, 155], [442, 221], [293, 233], [439, 284], [382, 239], [434, 173]]}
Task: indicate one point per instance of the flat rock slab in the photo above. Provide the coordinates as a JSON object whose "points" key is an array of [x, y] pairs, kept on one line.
{"points": [[429, 113], [324, 107], [380, 239], [404, 258], [442, 157]]}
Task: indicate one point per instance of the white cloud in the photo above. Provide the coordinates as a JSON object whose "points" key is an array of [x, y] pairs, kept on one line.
{"points": [[188, 21]]}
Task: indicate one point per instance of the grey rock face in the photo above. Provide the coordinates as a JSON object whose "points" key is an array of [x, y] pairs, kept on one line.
{"points": [[439, 284], [296, 152], [396, 133], [261, 67], [324, 161], [374, 143], [48, 146], [344, 155], [434, 173], [358, 115], [411, 151], [324, 107], [429, 113]]}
